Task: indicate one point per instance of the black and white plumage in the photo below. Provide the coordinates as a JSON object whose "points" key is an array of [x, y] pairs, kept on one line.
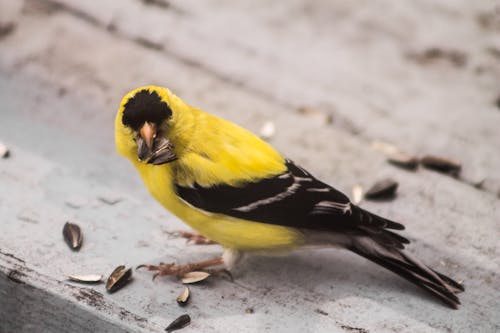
{"points": [[296, 199], [293, 199]]}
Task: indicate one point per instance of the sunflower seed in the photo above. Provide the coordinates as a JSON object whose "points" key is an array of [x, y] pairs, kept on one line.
{"points": [[441, 164], [73, 235], [193, 277], [179, 323], [4, 151], [403, 160], [357, 194], [385, 188], [118, 279], [384, 147], [89, 278], [307, 110], [183, 298], [326, 118], [267, 130]]}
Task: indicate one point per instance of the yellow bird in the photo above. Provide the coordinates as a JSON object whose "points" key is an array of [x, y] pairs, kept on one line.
{"points": [[238, 191]]}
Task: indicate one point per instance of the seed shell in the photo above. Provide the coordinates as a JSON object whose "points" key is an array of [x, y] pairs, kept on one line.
{"points": [[179, 323], [4, 151], [403, 160], [73, 235], [183, 297], [441, 164], [357, 194], [193, 277], [383, 189], [87, 278], [267, 130], [384, 147], [118, 279]]}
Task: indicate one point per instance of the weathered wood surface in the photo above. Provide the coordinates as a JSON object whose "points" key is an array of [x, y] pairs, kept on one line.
{"points": [[65, 65]]}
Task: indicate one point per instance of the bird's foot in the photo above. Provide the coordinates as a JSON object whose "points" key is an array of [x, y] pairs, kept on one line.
{"points": [[196, 238], [180, 270]]}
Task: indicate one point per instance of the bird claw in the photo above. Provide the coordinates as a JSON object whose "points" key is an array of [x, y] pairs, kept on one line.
{"points": [[195, 238], [163, 269], [222, 271]]}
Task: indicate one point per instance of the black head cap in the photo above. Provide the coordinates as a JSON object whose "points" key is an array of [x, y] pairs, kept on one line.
{"points": [[145, 106]]}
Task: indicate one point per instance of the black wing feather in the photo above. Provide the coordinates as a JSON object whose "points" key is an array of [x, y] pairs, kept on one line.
{"points": [[292, 199], [296, 199]]}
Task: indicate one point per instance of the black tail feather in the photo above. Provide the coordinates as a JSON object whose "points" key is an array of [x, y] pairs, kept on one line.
{"points": [[377, 227], [409, 268], [456, 285], [379, 221]]}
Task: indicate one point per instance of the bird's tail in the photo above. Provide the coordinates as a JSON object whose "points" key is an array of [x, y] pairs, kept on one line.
{"points": [[409, 268]]}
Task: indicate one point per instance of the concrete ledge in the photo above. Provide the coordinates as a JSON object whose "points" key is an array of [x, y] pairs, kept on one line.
{"points": [[32, 302]]}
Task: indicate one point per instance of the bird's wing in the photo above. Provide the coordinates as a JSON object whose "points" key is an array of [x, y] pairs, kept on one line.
{"points": [[293, 199]]}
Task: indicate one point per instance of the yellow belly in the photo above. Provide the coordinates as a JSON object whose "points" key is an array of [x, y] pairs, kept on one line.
{"points": [[230, 232]]}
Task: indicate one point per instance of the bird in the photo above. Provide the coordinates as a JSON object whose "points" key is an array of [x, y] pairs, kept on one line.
{"points": [[237, 190]]}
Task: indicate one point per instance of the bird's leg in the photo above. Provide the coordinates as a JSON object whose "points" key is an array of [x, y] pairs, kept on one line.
{"points": [[227, 260], [196, 238], [179, 270]]}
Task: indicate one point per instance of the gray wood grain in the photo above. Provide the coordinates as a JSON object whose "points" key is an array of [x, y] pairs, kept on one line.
{"points": [[64, 68]]}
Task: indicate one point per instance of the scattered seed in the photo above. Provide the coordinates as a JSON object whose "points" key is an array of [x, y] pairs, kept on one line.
{"points": [[383, 189], [183, 297], [307, 110], [89, 278], [441, 164], [6, 28], [4, 151], [118, 279], [73, 235], [179, 323], [357, 194], [403, 160], [385, 147], [267, 130], [193, 277]]}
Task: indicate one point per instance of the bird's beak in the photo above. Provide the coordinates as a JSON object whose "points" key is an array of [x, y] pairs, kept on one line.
{"points": [[152, 149], [148, 134]]}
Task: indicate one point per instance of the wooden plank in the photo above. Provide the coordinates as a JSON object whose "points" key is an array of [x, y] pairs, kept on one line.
{"points": [[370, 65], [57, 118]]}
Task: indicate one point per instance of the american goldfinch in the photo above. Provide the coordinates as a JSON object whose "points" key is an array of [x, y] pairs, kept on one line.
{"points": [[238, 191]]}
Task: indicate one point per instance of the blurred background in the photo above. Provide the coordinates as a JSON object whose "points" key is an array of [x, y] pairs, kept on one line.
{"points": [[341, 82]]}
